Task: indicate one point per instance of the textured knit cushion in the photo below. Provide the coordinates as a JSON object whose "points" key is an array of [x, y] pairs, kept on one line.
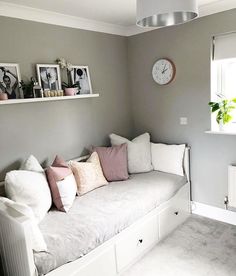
{"points": [[88, 175], [114, 162], [37, 240], [62, 184], [139, 152], [168, 158]]}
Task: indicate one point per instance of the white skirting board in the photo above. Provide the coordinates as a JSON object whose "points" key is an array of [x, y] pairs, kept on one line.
{"points": [[214, 213]]}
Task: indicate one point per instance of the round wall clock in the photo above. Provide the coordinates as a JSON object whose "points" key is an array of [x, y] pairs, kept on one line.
{"points": [[163, 71]]}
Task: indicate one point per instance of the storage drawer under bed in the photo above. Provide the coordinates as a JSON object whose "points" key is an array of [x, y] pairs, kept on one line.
{"points": [[134, 244], [175, 213]]}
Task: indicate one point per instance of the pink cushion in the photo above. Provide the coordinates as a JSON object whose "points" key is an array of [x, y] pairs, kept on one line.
{"points": [[59, 162], [62, 184], [114, 162]]}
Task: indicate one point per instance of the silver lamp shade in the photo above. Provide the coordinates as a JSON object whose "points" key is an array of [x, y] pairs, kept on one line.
{"points": [[161, 13]]}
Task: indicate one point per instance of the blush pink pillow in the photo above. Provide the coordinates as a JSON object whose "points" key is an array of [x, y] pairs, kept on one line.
{"points": [[88, 175], [114, 162], [62, 184]]}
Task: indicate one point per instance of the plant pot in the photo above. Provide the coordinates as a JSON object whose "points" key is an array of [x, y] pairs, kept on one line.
{"points": [[3, 96], [221, 126], [225, 127], [71, 91]]}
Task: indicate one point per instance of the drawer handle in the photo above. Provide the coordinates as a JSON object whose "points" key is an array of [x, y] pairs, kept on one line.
{"points": [[176, 213]]}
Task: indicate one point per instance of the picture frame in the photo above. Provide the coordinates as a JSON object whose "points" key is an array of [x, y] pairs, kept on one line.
{"points": [[81, 75], [10, 79], [49, 76]]}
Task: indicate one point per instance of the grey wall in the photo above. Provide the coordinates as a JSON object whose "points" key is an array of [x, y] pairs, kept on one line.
{"points": [[158, 109], [65, 128], [46, 129]]}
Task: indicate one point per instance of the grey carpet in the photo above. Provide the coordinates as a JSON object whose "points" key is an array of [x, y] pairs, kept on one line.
{"points": [[199, 247]]}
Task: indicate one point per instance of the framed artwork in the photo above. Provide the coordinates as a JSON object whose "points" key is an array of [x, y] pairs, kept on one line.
{"points": [[10, 79], [80, 75], [49, 77]]}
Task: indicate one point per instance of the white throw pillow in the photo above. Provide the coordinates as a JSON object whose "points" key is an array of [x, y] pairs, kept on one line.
{"points": [[31, 164], [139, 152], [168, 158], [67, 188], [30, 188], [37, 240], [62, 184]]}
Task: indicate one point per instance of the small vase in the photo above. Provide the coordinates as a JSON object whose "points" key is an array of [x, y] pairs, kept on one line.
{"points": [[224, 127], [3, 97], [221, 126], [71, 91]]}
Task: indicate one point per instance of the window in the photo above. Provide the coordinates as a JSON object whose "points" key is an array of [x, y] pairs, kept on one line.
{"points": [[224, 74]]}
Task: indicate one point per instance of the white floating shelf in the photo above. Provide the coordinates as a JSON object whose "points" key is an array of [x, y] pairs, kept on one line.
{"points": [[220, 132], [48, 99]]}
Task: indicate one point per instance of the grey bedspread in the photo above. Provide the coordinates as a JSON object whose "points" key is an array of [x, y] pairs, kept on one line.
{"points": [[101, 214]]}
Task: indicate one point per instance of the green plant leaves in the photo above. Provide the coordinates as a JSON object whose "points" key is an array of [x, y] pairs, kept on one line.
{"points": [[224, 107], [215, 107], [227, 118]]}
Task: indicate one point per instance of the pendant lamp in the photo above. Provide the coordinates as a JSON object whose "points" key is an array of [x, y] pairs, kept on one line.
{"points": [[161, 13]]}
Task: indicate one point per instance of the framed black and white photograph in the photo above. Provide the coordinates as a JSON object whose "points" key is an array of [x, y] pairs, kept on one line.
{"points": [[80, 76], [10, 80], [49, 77]]}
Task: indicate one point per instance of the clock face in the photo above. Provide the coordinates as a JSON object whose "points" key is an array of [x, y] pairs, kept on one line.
{"points": [[163, 71]]}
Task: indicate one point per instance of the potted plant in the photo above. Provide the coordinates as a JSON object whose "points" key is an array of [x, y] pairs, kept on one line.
{"points": [[70, 88], [27, 88], [223, 107]]}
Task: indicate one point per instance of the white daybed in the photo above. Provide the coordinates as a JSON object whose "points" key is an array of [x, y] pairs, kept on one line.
{"points": [[140, 212]]}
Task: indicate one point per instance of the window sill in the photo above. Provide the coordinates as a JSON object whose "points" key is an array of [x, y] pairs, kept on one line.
{"points": [[220, 132]]}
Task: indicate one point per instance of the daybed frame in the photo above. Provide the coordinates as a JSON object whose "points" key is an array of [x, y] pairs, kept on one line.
{"points": [[109, 259]]}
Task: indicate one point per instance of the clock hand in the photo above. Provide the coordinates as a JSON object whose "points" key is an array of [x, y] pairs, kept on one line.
{"points": [[163, 71]]}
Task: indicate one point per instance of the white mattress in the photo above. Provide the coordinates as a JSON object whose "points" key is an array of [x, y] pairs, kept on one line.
{"points": [[101, 214]]}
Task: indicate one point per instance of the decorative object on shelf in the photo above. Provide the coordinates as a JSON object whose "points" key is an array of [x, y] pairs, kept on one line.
{"points": [[9, 80], [49, 77], [37, 90], [163, 71], [224, 107], [3, 96], [31, 89], [80, 76], [71, 89], [159, 13], [53, 93], [27, 88]]}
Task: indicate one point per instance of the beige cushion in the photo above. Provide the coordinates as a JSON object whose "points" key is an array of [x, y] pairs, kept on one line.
{"points": [[88, 175]]}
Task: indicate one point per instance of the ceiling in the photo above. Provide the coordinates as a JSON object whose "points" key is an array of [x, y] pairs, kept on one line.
{"points": [[107, 16], [118, 12]]}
